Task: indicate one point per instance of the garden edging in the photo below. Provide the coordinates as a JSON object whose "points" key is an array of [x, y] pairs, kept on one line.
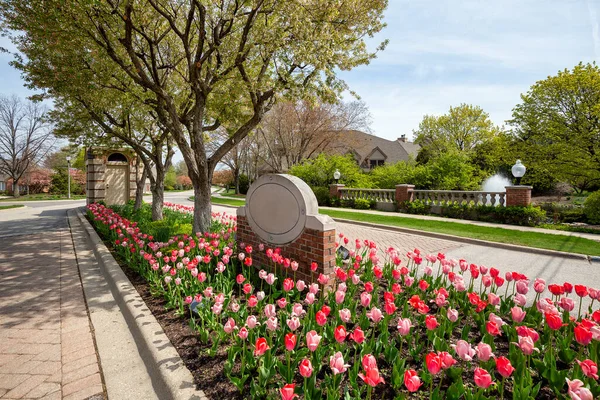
{"points": [[165, 369]]}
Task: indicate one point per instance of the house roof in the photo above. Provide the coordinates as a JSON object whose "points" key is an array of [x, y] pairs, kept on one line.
{"points": [[363, 145]]}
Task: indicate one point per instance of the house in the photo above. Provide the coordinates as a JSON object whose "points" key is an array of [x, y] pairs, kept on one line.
{"points": [[371, 151]]}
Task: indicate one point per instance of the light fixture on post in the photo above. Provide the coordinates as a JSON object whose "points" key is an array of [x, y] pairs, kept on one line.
{"points": [[518, 170], [68, 177], [336, 176]]}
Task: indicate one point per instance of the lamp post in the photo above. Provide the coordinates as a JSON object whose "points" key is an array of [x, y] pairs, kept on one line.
{"points": [[68, 177], [336, 176], [518, 170]]}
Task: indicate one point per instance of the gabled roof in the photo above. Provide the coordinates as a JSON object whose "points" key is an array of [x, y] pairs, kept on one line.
{"points": [[364, 144]]}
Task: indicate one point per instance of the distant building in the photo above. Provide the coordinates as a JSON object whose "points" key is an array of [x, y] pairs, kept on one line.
{"points": [[371, 151]]}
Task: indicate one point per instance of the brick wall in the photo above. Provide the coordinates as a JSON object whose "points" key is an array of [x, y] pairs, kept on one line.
{"points": [[312, 245], [519, 196]]}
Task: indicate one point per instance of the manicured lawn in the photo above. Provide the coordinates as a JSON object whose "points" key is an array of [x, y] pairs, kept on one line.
{"points": [[11, 206], [571, 244], [44, 196]]}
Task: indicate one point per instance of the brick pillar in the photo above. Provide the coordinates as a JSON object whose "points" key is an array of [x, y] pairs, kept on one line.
{"points": [[519, 196], [404, 193], [334, 190]]}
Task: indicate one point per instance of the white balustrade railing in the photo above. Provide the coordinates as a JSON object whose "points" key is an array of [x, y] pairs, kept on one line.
{"points": [[460, 197], [379, 195]]}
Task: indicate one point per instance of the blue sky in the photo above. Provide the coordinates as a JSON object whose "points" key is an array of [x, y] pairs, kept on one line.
{"points": [[444, 53]]}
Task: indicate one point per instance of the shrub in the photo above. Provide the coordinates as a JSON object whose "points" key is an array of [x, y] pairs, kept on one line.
{"points": [[222, 177], [184, 182], [59, 183], [362, 204], [322, 195], [414, 207], [591, 208], [244, 184], [319, 171]]}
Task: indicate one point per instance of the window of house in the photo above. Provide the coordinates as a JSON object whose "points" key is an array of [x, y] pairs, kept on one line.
{"points": [[375, 163], [2, 186]]}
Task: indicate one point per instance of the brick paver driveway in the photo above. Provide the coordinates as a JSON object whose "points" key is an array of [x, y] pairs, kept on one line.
{"points": [[46, 346]]}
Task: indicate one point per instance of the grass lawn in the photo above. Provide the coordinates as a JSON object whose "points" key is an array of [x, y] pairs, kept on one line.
{"points": [[11, 206], [571, 244], [44, 196]]}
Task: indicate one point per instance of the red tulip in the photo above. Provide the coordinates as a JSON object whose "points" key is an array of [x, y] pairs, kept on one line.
{"points": [[581, 290], [556, 290], [287, 392], [369, 287], [305, 368], [482, 378], [326, 310], [288, 284], [446, 359], [321, 318], [261, 347], [583, 335], [504, 367], [431, 322], [372, 377], [340, 334], [554, 321], [423, 285], [434, 363], [493, 328], [290, 341], [568, 287], [412, 380], [358, 335]]}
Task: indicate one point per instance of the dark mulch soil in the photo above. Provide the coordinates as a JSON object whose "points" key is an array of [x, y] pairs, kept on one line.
{"points": [[207, 370]]}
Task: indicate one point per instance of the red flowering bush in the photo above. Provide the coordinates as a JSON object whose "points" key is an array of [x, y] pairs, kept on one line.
{"points": [[384, 325]]}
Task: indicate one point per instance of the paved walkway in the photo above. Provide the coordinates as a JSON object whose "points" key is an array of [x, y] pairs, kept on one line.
{"points": [[46, 345]]}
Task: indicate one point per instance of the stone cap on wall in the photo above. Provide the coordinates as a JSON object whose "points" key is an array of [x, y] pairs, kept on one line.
{"points": [[279, 207]]}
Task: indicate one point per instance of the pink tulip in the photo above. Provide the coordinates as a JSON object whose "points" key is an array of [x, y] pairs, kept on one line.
{"points": [[412, 380], [345, 315], [567, 304], [493, 299], [520, 299], [404, 326], [336, 362], [522, 287], [339, 297], [229, 325], [526, 345], [305, 368], [365, 299], [310, 298], [484, 351], [517, 314], [300, 285], [539, 285], [577, 391], [482, 378], [272, 324], [251, 322], [452, 315], [375, 314], [298, 310], [313, 288], [270, 279], [312, 340], [243, 333], [323, 279], [463, 350], [270, 310], [293, 323]]}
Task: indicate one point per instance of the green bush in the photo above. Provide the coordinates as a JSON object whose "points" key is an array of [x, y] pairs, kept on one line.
{"points": [[59, 183], [559, 213], [348, 203], [322, 195], [362, 204], [591, 208], [244, 184], [319, 171], [414, 207]]}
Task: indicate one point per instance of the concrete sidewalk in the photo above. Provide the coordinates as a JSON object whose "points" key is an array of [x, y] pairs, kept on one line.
{"points": [[47, 349]]}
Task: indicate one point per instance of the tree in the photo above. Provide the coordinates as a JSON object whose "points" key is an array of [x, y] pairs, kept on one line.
{"points": [[461, 130], [294, 131], [201, 65], [557, 126], [25, 137]]}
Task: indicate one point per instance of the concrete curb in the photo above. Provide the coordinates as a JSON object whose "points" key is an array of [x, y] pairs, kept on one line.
{"points": [[479, 242], [170, 377], [461, 239]]}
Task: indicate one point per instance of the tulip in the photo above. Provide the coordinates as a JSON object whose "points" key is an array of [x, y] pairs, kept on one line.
{"points": [[589, 368], [321, 318], [326, 310], [464, 351], [251, 321], [431, 322], [340, 334], [412, 380], [504, 367], [434, 363], [372, 377], [290, 341], [517, 314], [287, 392], [484, 351], [375, 314], [577, 391], [336, 362], [358, 335], [583, 335], [297, 310], [404, 326], [492, 328], [345, 315], [270, 311], [365, 299], [452, 315], [567, 304], [526, 344], [539, 285], [229, 325], [293, 323], [305, 368], [310, 298], [282, 302], [520, 299], [312, 340], [482, 378], [243, 333], [261, 347], [554, 321], [300, 285], [447, 359], [272, 324], [339, 297], [368, 361], [288, 284]]}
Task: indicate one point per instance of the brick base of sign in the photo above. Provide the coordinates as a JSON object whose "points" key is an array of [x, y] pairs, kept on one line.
{"points": [[312, 245]]}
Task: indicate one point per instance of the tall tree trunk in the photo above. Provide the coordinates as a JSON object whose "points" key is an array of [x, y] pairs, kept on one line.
{"points": [[16, 191], [158, 194], [141, 183], [202, 204]]}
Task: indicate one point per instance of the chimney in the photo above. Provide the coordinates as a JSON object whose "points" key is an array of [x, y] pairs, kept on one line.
{"points": [[402, 139]]}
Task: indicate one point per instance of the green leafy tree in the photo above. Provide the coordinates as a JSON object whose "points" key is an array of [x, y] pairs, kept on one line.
{"points": [[199, 65], [170, 179], [318, 171], [557, 127]]}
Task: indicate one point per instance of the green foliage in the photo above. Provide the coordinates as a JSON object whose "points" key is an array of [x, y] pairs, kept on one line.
{"points": [[592, 208], [362, 204], [244, 183], [322, 195], [389, 175], [171, 179], [59, 183], [173, 223], [557, 127], [559, 213], [319, 171]]}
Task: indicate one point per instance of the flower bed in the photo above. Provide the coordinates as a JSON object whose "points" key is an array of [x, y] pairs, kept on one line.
{"points": [[382, 327]]}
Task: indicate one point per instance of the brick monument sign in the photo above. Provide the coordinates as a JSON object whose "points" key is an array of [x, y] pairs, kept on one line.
{"points": [[281, 211]]}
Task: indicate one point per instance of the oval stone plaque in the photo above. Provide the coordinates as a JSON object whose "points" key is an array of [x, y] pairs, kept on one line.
{"points": [[277, 206]]}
